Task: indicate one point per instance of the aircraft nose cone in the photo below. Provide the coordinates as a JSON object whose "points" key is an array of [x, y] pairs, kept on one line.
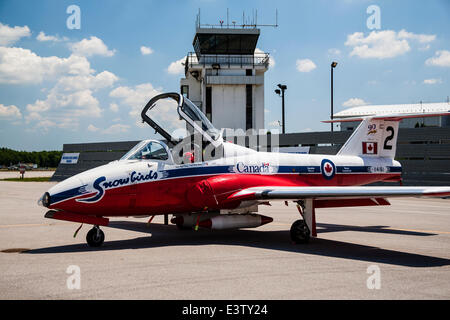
{"points": [[44, 201]]}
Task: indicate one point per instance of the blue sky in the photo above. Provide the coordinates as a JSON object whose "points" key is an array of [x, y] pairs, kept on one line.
{"points": [[68, 86]]}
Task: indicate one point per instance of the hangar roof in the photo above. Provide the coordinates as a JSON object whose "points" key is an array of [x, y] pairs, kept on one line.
{"points": [[393, 108]]}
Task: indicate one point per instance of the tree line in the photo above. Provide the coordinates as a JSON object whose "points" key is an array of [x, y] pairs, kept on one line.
{"points": [[41, 158]]}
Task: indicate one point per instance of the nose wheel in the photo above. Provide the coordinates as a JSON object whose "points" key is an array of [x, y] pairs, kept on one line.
{"points": [[300, 232], [95, 237]]}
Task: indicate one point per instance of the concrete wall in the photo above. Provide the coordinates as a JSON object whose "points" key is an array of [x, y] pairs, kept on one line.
{"points": [[228, 106], [258, 107]]}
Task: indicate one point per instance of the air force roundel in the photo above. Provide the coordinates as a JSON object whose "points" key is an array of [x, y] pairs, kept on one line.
{"points": [[328, 169]]}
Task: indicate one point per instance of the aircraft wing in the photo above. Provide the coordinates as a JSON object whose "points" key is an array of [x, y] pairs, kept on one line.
{"points": [[336, 193]]}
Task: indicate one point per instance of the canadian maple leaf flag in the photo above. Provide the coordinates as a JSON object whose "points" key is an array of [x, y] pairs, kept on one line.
{"points": [[369, 148]]}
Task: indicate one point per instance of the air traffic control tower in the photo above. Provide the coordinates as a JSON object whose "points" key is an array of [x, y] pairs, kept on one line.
{"points": [[224, 77]]}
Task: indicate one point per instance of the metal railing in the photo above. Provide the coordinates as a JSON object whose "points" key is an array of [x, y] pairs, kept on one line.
{"points": [[257, 59]]}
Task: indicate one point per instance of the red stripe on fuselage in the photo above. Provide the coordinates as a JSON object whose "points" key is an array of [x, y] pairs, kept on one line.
{"points": [[171, 195]]}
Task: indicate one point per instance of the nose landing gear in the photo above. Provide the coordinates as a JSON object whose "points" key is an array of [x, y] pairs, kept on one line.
{"points": [[95, 237]]}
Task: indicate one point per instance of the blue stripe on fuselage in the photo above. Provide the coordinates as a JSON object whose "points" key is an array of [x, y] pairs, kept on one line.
{"points": [[71, 193]]}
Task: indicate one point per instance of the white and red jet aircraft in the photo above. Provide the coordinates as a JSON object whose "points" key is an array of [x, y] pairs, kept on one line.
{"points": [[147, 181]]}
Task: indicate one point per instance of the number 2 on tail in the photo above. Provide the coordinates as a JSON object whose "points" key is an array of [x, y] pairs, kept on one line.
{"points": [[388, 138]]}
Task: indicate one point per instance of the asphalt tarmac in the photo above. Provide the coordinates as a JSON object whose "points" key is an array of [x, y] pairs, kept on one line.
{"points": [[396, 252]]}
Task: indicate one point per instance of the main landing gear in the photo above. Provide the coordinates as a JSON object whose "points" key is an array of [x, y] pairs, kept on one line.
{"points": [[302, 230], [95, 237]]}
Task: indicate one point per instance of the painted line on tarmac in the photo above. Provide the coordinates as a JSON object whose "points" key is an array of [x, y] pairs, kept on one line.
{"points": [[25, 225]]}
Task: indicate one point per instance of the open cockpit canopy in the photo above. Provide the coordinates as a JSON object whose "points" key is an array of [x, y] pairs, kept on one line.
{"points": [[161, 115]]}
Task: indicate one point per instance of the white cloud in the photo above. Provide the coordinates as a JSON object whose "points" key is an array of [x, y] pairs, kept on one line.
{"points": [[9, 36], [137, 97], [44, 38], [116, 128], [70, 99], [275, 124], [19, 66], [441, 59], [82, 82], [260, 53], [146, 50], [61, 105], [90, 47], [353, 102], [92, 128], [113, 129], [44, 125], [425, 48], [305, 65], [384, 44], [72, 96], [177, 67], [334, 52], [114, 107], [378, 44], [421, 38], [432, 81], [9, 112]]}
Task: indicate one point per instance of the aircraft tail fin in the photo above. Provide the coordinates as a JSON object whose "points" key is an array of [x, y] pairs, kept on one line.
{"points": [[376, 136]]}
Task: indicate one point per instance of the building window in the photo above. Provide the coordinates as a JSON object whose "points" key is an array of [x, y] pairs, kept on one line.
{"points": [[248, 72], [249, 107], [185, 91], [208, 107]]}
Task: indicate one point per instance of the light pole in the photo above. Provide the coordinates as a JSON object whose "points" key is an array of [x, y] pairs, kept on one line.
{"points": [[278, 92], [333, 65]]}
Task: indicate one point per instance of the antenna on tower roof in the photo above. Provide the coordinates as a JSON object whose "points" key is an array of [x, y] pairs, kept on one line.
{"points": [[197, 19], [247, 22]]}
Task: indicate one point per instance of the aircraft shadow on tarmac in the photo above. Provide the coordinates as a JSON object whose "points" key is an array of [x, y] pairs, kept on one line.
{"points": [[163, 236]]}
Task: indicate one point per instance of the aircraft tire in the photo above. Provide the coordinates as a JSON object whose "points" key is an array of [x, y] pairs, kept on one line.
{"points": [[300, 232], [95, 237]]}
